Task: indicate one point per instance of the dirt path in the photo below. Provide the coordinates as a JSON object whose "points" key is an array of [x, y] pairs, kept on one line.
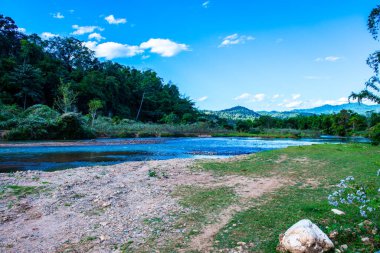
{"points": [[108, 209], [247, 189]]}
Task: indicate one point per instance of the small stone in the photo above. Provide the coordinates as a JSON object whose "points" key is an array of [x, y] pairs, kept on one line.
{"points": [[343, 247], [103, 238], [106, 204], [365, 240], [234, 225], [241, 243], [338, 212], [333, 234]]}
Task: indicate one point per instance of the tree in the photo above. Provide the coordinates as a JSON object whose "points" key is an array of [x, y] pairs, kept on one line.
{"points": [[66, 98], [72, 53], [28, 79], [372, 86], [93, 106], [9, 36]]}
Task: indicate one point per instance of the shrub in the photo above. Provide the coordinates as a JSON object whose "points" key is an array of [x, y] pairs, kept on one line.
{"points": [[71, 126], [32, 128], [41, 111], [374, 134], [9, 115]]}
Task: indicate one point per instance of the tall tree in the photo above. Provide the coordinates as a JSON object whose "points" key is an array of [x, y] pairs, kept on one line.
{"points": [[10, 37], [72, 53], [372, 86], [66, 97], [28, 79]]}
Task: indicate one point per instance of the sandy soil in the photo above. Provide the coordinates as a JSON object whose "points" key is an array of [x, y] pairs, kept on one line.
{"points": [[98, 209]]}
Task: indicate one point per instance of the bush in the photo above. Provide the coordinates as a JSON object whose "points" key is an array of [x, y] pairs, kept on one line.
{"points": [[374, 134], [33, 128], [42, 111], [9, 115], [71, 126]]}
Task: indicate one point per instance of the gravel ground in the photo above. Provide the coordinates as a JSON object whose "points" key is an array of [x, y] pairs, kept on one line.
{"points": [[105, 208]]}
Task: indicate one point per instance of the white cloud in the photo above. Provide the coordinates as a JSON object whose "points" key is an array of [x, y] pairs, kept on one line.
{"points": [[293, 104], [235, 39], [243, 96], [115, 21], [71, 11], [164, 47], [111, 50], [328, 58], [48, 35], [296, 96], [201, 99], [21, 30], [79, 30], [250, 97], [320, 102], [95, 36], [58, 15], [332, 58], [206, 4], [257, 97], [275, 96]]}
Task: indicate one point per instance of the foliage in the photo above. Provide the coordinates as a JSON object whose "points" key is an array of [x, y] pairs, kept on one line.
{"points": [[94, 105], [374, 134], [372, 86], [28, 81], [66, 98], [36, 123], [71, 126], [40, 122]]}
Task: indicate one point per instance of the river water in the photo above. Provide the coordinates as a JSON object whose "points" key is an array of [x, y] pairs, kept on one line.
{"points": [[113, 151]]}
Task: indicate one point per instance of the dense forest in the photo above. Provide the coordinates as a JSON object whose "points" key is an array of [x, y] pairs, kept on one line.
{"points": [[64, 74]]}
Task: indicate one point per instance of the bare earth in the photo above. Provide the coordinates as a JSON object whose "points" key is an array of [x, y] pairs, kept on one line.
{"points": [[97, 209]]}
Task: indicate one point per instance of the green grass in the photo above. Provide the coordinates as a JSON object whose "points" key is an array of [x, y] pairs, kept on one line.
{"points": [[202, 207], [273, 213], [18, 191], [326, 163]]}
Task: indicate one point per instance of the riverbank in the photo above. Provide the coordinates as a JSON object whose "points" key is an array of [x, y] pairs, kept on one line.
{"points": [[179, 205]]}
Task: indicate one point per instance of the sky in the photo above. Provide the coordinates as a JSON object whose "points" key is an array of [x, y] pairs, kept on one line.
{"points": [[264, 55]]}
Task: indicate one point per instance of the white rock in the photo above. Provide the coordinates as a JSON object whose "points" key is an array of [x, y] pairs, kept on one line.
{"points": [[305, 237], [338, 212]]}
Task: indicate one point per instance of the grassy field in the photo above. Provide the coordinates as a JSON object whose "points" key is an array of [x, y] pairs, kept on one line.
{"points": [[315, 171]]}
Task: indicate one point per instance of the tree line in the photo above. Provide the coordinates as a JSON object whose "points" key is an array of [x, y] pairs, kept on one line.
{"points": [[65, 75]]}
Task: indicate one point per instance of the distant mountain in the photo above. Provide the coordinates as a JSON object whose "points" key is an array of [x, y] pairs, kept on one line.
{"points": [[330, 109], [235, 113], [243, 113], [283, 115]]}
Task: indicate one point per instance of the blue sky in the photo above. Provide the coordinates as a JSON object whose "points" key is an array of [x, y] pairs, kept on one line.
{"points": [[265, 55]]}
